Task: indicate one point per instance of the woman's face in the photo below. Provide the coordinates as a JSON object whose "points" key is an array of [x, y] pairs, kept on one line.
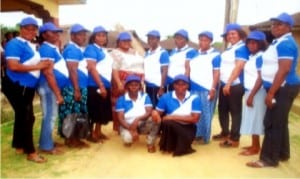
{"points": [[180, 87], [133, 86], [101, 38], [79, 38], [180, 41], [125, 44], [252, 46], [51, 37], [279, 28], [233, 37], [204, 42], [28, 32], [153, 41]]}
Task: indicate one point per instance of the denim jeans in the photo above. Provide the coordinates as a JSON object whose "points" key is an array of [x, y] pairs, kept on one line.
{"points": [[204, 123], [50, 112]]}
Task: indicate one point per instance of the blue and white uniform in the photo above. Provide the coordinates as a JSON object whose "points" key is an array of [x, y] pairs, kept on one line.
{"points": [[238, 51], [74, 53], [202, 65], [284, 47], [153, 62], [177, 62], [27, 54], [133, 109], [104, 64], [252, 117], [171, 105], [51, 52]]}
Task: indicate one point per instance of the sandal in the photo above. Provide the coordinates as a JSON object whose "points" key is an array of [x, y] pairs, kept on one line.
{"points": [[219, 137], [249, 152], [37, 158], [229, 144], [54, 151], [19, 151], [151, 149], [258, 164]]}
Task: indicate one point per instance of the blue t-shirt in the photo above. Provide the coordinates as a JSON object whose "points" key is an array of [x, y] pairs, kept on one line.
{"points": [[283, 48], [26, 53], [51, 52], [73, 53], [202, 65], [153, 62], [169, 104], [104, 64], [133, 109]]}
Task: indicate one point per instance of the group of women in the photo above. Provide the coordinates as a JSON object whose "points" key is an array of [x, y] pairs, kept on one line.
{"points": [[88, 80]]}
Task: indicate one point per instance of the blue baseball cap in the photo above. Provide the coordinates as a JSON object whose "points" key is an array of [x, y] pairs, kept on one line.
{"points": [[182, 33], [182, 78], [124, 36], [28, 21], [131, 78], [229, 27], [78, 28], [256, 35], [207, 34], [99, 29], [284, 17], [49, 26], [154, 33]]}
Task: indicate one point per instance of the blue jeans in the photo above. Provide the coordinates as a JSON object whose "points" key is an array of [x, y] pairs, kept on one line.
{"points": [[204, 123], [50, 112]]}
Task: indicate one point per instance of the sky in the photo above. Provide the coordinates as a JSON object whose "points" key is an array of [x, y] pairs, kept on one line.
{"points": [[167, 16]]}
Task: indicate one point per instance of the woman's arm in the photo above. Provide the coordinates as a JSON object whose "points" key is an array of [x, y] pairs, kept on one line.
{"points": [[72, 67], [239, 65], [91, 66], [48, 72], [192, 118]]}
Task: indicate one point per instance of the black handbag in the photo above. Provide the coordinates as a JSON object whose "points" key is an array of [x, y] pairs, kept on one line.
{"points": [[76, 125]]}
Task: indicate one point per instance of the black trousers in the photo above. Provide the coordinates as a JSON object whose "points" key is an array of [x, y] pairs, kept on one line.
{"points": [[232, 105], [276, 144], [21, 98], [152, 92], [176, 137]]}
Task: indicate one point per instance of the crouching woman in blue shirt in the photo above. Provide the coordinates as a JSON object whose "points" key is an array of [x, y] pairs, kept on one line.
{"points": [[182, 113]]}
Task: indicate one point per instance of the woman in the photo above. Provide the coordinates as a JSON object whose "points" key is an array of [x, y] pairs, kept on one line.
{"points": [[52, 80], [22, 74], [254, 108], [126, 61], [203, 68], [75, 94], [282, 84], [99, 64], [178, 111], [156, 67], [231, 92], [178, 56]]}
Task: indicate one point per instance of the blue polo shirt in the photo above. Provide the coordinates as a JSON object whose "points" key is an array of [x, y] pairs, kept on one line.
{"points": [[170, 104], [283, 48], [153, 62], [177, 62], [25, 52], [238, 51], [202, 65], [74, 53], [133, 109], [103, 64], [51, 52]]}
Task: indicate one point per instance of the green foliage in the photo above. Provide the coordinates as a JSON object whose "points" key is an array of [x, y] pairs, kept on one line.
{"points": [[5, 29]]}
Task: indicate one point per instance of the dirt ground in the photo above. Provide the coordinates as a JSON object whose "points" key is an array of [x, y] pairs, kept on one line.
{"points": [[111, 159]]}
